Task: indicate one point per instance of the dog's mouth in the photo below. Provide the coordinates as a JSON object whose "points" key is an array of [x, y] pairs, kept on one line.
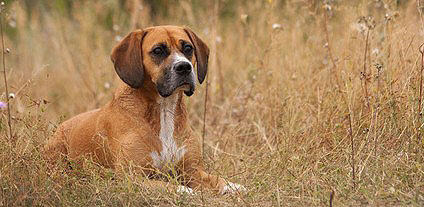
{"points": [[166, 90], [188, 88]]}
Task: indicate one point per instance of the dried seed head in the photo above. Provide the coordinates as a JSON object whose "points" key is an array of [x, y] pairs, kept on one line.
{"points": [[365, 130], [375, 51], [118, 38], [276, 26], [327, 7], [369, 21], [243, 18], [218, 39], [115, 27], [106, 85], [379, 66], [2, 6], [388, 17], [12, 23]]}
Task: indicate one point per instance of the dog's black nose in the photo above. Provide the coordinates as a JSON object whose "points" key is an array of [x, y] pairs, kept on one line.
{"points": [[182, 68]]}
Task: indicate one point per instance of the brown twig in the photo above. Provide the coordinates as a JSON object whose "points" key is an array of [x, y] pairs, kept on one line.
{"points": [[364, 72], [328, 46], [421, 49], [377, 108], [9, 120], [204, 117], [215, 5], [331, 198], [352, 149]]}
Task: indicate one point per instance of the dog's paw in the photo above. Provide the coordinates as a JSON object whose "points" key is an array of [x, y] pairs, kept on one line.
{"points": [[183, 189], [232, 188]]}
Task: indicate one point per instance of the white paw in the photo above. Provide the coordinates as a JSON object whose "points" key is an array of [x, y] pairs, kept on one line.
{"points": [[183, 189], [232, 188]]}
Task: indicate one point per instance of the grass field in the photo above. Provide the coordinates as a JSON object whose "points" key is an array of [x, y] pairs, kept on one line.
{"points": [[308, 102]]}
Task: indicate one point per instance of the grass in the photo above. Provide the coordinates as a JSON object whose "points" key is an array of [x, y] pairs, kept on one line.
{"points": [[287, 115]]}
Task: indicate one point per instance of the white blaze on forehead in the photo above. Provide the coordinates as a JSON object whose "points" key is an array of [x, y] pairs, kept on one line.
{"points": [[181, 58], [171, 154]]}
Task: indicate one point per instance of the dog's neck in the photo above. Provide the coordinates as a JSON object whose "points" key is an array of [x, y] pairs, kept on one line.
{"points": [[166, 116], [146, 103]]}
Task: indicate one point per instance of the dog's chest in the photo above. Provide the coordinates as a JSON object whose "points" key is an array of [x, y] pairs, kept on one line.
{"points": [[170, 154]]}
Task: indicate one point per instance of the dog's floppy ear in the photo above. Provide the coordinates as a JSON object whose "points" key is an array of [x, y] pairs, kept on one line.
{"points": [[202, 54], [127, 59]]}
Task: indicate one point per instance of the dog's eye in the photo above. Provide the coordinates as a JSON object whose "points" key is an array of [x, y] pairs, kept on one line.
{"points": [[158, 51], [187, 49]]}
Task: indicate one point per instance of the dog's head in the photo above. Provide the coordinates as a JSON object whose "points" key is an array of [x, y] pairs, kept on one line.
{"points": [[164, 55]]}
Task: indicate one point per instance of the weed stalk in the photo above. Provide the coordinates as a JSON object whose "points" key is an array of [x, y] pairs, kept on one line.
{"points": [[328, 44], [377, 108], [421, 49], [421, 92], [352, 149], [364, 72], [9, 120]]}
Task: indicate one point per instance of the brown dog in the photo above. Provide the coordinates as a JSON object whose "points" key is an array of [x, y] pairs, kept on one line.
{"points": [[146, 123]]}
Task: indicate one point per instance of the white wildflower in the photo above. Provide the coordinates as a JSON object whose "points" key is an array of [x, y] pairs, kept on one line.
{"points": [[276, 26], [118, 38], [107, 85]]}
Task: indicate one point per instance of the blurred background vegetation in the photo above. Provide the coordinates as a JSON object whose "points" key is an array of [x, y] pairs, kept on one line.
{"points": [[112, 12], [76, 29]]}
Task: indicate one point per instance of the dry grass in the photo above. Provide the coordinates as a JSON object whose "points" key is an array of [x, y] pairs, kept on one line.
{"points": [[280, 102]]}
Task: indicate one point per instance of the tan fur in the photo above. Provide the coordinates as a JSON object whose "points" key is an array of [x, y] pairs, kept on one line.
{"points": [[126, 129]]}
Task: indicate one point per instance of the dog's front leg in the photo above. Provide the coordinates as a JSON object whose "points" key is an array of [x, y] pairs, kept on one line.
{"points": [[198, 179], [195, 177]]}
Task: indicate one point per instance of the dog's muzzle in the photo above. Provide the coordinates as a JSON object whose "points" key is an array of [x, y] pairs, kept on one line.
{"points": [[179, 76], [185, 69]]}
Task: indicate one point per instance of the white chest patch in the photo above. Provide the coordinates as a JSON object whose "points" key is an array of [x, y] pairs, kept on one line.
{"points": [[170, 154]]}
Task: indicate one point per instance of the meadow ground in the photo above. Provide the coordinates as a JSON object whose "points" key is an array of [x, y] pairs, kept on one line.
{"points": [[308, 102]]}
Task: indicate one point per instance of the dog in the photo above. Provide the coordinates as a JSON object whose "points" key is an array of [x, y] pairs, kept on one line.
{"points": [[146, 122]]}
